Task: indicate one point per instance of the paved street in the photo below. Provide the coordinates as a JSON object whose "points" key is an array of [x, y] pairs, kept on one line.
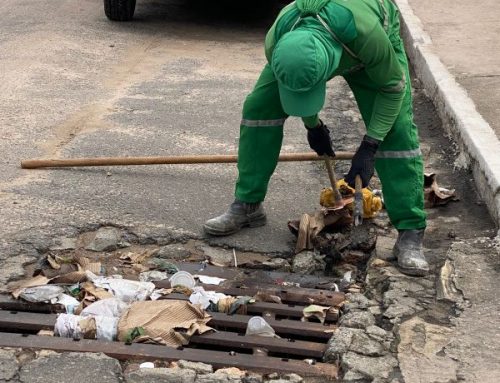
{"points": [[172, 82]]}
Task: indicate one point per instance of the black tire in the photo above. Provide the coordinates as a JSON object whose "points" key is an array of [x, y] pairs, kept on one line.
{"points": [[119, 10]]}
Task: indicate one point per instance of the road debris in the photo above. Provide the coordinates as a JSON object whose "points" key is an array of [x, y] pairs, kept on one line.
{"points": [[208, 280], [436, 195], [258, 326], [315, 311], [205, 298], [38, 294], [168, 322], [124, 289], [153, 275], [126, 297], [183, 278]]}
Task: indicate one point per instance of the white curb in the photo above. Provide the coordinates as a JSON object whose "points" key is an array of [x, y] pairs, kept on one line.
{"points": [[457, 111]]}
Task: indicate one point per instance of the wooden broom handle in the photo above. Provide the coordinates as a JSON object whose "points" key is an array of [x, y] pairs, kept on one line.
{"points": [[168, 160]]}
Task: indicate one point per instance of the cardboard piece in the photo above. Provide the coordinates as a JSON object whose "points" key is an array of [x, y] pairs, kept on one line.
{"points": [[169, 322], [312, 224], [70, 278], [18, 287], [134, 258], [69, 270], [97, 292]]}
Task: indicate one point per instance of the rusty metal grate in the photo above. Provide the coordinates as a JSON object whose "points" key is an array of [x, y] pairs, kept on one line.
{"points": [[299, 349]]}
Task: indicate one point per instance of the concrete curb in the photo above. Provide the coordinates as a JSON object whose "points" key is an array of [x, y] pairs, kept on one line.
{"points": [[479, 143]]}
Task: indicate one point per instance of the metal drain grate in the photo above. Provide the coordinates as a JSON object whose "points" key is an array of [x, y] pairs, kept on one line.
{"points": [[299, 349]]}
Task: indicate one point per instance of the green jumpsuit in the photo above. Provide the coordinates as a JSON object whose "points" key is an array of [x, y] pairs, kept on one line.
{"points": [[374, 64]]}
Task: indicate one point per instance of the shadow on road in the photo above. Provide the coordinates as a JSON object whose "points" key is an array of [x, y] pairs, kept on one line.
{"points": [[254, 14]]}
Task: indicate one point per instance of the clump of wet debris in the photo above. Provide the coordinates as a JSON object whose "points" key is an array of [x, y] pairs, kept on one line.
{"points": [[328, 240]]}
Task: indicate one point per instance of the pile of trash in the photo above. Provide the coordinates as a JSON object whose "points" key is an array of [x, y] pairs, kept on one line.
{"points": [[113, 308]]}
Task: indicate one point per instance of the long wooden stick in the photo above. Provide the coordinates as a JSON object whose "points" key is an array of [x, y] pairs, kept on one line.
{"points": [[168, 160]]}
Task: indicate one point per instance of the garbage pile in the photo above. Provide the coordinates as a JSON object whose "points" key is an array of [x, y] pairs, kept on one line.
{"points": [[110, 308]]}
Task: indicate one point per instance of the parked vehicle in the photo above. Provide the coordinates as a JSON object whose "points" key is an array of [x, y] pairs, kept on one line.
{"points": [[119, 10]]}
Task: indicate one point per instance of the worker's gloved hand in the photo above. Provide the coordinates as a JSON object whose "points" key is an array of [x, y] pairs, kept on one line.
{"points": [[319, 140], [363, 162]]}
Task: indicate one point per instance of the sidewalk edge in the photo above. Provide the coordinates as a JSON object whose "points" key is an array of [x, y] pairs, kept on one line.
{"points": [[479, 143]]}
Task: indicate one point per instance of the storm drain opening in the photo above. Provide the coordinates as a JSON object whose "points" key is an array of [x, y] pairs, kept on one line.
{"points": [[301, 319], [186, 300]]}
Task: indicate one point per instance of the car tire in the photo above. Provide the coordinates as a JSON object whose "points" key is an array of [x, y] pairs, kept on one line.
{"points": [[119, 10]]}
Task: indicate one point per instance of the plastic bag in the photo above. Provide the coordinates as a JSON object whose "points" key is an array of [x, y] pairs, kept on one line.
{"points": [[205, 298], [86, 327], [153, 275], [107, 327], [109, 307], [123, 289], [39, 294], [68, 302]]}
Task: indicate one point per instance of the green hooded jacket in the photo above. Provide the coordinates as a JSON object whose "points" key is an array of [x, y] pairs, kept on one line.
{"points": [[368, 30]]}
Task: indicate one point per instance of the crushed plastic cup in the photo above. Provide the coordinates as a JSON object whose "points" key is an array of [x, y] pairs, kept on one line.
{"points": [[259, 326], [182, 278]]}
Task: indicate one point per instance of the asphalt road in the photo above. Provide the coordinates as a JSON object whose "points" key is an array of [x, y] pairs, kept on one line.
{"points": [[172, 82]]}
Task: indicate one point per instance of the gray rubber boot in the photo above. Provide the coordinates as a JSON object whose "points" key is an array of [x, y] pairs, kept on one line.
{"points": [[239, 215], [408, 250]]}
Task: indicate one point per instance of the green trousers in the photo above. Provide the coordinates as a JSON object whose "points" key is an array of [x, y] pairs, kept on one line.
{"points": [[398, 161]]}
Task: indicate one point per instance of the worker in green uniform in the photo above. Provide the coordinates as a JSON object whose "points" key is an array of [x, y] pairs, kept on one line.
{"points": [[311, 42]]}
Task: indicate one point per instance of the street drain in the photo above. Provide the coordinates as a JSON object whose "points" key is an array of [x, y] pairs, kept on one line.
{"points": [[299, 348]]}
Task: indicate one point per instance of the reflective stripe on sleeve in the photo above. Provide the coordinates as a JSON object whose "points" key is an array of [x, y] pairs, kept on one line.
{"points": [[399, 153], [257, 123]]}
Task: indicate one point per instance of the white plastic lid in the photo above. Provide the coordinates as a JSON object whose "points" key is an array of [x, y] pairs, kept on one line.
{"points": [[182, 278]]}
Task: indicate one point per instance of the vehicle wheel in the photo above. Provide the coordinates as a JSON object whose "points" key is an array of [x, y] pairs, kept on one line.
{"points": [[119, 10]]}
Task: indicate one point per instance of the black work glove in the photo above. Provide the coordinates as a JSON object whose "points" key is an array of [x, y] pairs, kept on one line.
{"points": [[319, 140], [363, 162]]}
